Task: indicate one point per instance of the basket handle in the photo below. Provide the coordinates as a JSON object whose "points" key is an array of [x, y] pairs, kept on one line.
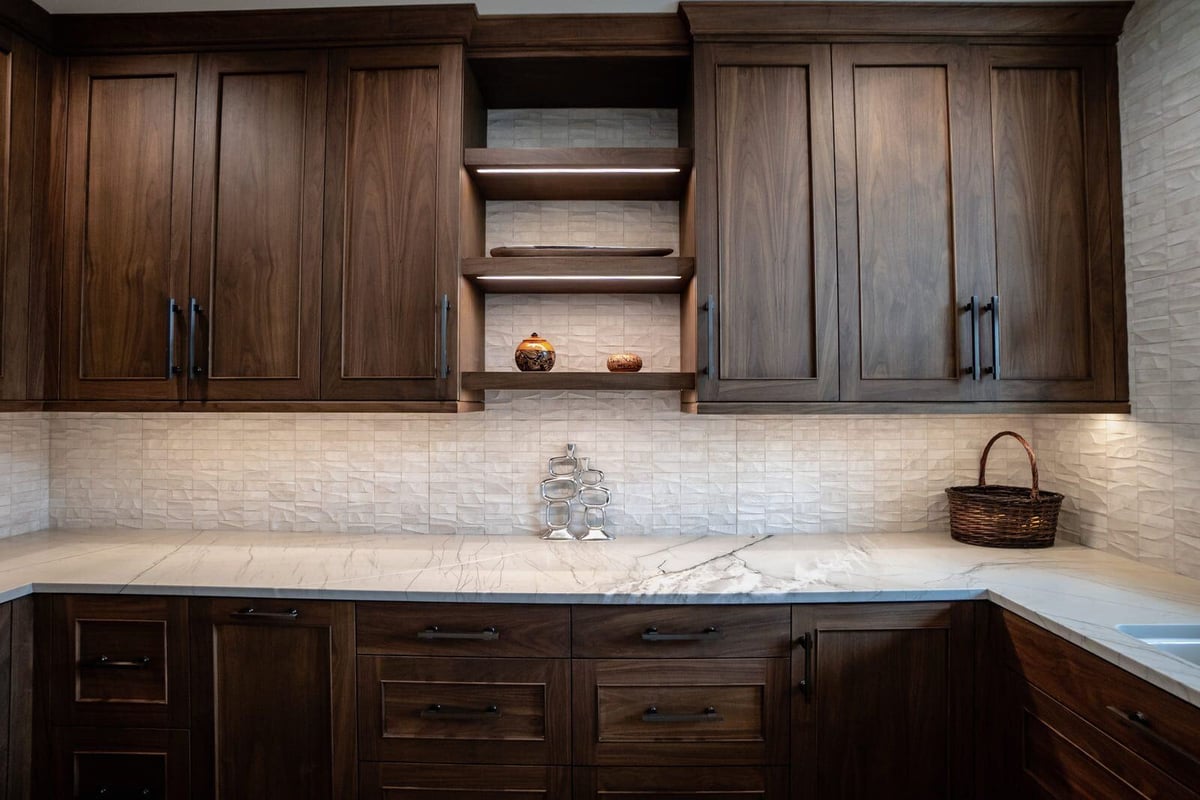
{"points": [[1029, 450]]}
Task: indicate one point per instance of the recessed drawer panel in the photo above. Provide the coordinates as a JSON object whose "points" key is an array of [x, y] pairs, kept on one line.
{"points": [[681, 632], [1162, 729], [473, 782], [464, 629], [120, 661], [714, 711], [108, 763], [705, 783], [512, 711]]}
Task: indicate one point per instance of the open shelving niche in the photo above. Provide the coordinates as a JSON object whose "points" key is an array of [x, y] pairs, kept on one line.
{"points": [[564, 174]]}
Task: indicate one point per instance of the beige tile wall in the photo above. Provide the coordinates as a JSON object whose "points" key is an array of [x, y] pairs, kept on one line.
{"points": [[24, 473]]}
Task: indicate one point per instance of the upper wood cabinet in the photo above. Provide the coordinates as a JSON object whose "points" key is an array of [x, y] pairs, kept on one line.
{"points": [[256, 227], [391, 219], [129, 187], [765, 232]]}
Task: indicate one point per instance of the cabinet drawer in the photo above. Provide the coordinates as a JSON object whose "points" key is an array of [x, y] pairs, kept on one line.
{"points": [[715, 711], [680, 632], [1162, 729], [120, 661], [474, 782], [709, 783], [464, 710], [1062, 756], [463, 629], [116, 763]]}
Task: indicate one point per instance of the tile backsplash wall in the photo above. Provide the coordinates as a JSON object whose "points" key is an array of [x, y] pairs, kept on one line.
{"points": [[583, 127], [24, 473]]}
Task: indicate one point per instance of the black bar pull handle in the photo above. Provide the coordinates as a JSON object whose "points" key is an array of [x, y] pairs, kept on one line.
{"points": [[104, 662], [806, 641], [652, 714], [172, 368], [194, 311], [254, 613], [709, 634], [1142, 723], [433, 632], [710, 310], [439, 711], [973, 308], [444, 335], [994, 308]]}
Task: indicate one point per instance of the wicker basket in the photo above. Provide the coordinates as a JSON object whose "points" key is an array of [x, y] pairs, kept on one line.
{"points": [[1004, 516]]}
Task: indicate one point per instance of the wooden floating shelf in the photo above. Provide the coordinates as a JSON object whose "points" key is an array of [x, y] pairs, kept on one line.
{"points": [[601, 381], [580, 274], [523, 185]]}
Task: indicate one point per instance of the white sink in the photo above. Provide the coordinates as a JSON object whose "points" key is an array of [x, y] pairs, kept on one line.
{"points": [[1182, 641]]}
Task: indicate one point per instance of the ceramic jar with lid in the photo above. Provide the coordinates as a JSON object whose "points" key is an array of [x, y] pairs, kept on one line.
{"points": [[535, 354]]}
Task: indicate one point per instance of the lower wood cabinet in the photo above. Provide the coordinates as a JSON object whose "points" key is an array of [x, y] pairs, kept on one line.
{"points": [[472, 782], [273, 699], [708, 783], [882, 700], [105, 764]]}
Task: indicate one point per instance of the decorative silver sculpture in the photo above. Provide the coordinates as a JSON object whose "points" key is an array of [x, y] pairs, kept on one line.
{"points": [[572, 480]]}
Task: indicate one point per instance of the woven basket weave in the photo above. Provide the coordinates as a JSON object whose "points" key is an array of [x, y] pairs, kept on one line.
{"points": [[1004, 516]]}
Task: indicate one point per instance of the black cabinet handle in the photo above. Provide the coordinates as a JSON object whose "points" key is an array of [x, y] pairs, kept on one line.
{"points": [[104, 662], [104, 793], [1142, 723], [710, 310], [445, 332], [994, 308], [439, 711], [805, 686], [489, 634], [973, 308], [254, 613], [709, 634], [172, 368], [652, 714], [194, 311]]}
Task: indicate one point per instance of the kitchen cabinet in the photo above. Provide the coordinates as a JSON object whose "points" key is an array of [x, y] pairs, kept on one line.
{"points": [[390, 269], [5, 694], [254, 307], [117, 764], [766, 260], [273, 699], [882, 700], [17, 706], [1071, 725], [129, 187], [20, 313], [439, 781]]}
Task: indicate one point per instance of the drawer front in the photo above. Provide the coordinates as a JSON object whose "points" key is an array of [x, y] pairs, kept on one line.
{"points": [[709, 783], [461, 629], [120, 661], [102, 763], [1162, 729], [713, 711], [474, 782], [681, 632], [463, 710], [1062, 755]]}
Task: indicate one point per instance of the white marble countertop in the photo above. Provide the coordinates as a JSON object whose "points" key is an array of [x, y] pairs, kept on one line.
{"points": [[1073, 591]]}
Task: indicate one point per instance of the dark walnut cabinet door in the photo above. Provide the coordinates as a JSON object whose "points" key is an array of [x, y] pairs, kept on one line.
{"points": [[913, 200], [765, 232], [391, 209], [254, 310], [881, 701], [129, 178], [1058, 313], [273, 699]]}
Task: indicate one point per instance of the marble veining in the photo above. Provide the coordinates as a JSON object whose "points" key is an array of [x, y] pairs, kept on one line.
{"points": [[1073, 591]]}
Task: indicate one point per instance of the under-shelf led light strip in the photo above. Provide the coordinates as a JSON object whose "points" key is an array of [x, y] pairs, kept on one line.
{"points": [[580, 277], [577, 170]]}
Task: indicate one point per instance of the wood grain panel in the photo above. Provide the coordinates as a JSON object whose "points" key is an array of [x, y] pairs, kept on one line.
{"points": [[27, 723], [128, 200], [274, 699], [6, 688], [392, 204], [256, 240], [465, 782], [706, 783], [93, 762], [49, 219], [886, 711], [718, 631], [6, 144], [1041, 230], [765, 242], [914, 232], [531, 723], [22, 312], [517, 631]]}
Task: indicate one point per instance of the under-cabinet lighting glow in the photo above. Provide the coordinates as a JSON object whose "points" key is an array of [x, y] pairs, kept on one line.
{"points": [[577, 170], [580, 277]]}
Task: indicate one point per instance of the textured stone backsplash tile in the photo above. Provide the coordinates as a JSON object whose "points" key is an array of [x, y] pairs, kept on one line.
{"points": [[24, 472], [583, 127]]}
